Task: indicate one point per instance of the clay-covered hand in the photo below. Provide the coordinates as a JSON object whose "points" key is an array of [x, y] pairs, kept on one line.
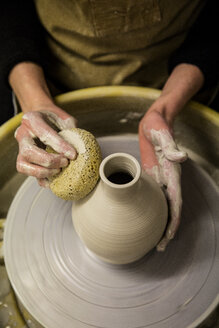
{"points": [[160, 158], [40, 127]]}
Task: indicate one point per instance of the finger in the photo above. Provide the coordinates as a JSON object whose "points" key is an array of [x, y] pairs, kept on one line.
{"points": [[172, 175], [173, 193], [47, 135], [175, 203], [165, 141], [154, 172], [62, 120], [148, 157], [149, 160], [33, 154], [63, 115], [23, 132], [161, 246], [43, 183], [34, 170], [39, 156]]}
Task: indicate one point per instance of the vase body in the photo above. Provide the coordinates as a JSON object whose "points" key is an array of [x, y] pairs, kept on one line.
{"points": [[125, 216]]}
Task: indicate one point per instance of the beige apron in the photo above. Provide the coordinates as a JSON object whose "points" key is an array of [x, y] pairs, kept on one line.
{"points": [[112, 42]]}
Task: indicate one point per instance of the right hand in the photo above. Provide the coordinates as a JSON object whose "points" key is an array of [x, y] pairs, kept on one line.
{"points": [[161, 159], [35, 161]]}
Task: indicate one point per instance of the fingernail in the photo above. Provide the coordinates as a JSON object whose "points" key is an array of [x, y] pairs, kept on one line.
{"points": [[71, 154], [161, 248], [184, 156], [180, 154], [63, 162], [170, 234]]}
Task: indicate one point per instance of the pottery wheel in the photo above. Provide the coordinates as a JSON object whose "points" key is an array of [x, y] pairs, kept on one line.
{"points": [[62, 285]]}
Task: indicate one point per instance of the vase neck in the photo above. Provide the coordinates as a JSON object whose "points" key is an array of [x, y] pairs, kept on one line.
{"points": [[120, 174]]}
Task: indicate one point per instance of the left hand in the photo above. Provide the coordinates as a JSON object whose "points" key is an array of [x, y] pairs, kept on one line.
{"points": [[34, 160], [160, 159]]}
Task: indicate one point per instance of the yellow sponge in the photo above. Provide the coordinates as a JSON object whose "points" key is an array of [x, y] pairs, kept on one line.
{"points": [[81, 175]]}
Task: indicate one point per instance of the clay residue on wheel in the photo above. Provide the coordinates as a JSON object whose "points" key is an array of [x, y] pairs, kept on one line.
{"points": [[81, 175]]}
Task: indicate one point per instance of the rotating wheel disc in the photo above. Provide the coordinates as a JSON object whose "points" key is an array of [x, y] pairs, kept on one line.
{"points": [[62, 285]]}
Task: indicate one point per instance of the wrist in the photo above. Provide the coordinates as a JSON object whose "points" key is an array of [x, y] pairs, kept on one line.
{"points": [[40, 103], [166, 107], [29, 85], [183, 83]]}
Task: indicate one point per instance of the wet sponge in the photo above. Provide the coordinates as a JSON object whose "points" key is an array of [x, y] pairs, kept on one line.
{"points": [[81, 175]]}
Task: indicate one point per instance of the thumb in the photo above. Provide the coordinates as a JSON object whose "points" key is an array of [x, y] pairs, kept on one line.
{"points": [[165, 141]]}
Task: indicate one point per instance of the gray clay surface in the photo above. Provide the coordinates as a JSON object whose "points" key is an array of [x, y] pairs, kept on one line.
{"points": [[62, 285]]}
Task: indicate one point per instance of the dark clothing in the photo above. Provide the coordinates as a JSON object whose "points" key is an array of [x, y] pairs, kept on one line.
{"points": [[22, 39], [200, 47]]}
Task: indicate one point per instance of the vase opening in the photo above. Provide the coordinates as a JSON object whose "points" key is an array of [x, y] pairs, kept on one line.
{"points": [[120, 169], [120, 177]]}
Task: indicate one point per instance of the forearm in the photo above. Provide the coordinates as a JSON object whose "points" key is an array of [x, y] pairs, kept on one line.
{"points": [[29, 85], [41, 115], [183, 83]]}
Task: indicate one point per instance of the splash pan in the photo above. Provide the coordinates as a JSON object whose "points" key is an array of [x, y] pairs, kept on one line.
{"points": [[61, 285]]}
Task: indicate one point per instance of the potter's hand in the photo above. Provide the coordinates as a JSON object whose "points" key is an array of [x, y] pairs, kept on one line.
{"points": [[36, 127], [160, 159]]}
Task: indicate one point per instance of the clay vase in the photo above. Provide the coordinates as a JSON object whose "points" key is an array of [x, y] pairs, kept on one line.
{"points": [[125, 216]]}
